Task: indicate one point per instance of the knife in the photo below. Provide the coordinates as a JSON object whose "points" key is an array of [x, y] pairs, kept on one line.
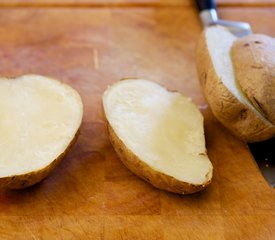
{"points": [[263, 152]]}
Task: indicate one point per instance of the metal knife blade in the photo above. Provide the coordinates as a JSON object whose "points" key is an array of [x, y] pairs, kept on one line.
{"points": [[264, 155], [263, 152], [209, 17]]}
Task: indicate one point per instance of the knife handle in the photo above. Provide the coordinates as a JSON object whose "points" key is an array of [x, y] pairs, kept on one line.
{"points": [[208, 12], [206, 4]]}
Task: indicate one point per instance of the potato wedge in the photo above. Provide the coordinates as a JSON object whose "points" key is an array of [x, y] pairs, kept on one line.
{"points": [[158, 135], [254, 66], [40, 119], [226, 100]]}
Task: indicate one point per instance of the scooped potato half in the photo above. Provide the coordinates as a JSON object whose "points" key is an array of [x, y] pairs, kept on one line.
{"points": [[226, 99], [158, 135], [40, 118]]}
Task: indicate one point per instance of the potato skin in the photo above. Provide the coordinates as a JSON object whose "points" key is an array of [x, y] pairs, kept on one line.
{"points": [[144, 171], [234, 115], [254, 66], [31, 178]]}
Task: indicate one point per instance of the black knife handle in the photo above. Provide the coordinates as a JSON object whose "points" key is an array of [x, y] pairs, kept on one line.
{"points": [[206, 4]]}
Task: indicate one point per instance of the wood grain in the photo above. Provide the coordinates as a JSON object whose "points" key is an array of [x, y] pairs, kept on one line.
{"points": [[129, 3], [94, 3], [91, 195], [245, 3]]}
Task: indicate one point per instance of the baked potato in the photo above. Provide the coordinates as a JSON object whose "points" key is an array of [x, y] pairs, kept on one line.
{"points": [[40, 120], [158, 135], [226, 99]]}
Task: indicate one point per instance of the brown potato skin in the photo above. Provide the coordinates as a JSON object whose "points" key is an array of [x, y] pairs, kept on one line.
{"points": [[254, 66], [234, 115], [144, 171], [31, 178]]}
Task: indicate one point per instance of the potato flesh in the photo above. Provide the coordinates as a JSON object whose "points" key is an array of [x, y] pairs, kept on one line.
{"points": [[163, 129], [219, 42], [38, 119]]}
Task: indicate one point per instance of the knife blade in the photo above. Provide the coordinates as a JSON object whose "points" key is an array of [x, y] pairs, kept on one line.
{"points": [[262, 152], [209, 17]]}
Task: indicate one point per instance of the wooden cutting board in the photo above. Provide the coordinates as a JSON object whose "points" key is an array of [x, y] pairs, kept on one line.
{"points": [[127, 3], [91, 195]]}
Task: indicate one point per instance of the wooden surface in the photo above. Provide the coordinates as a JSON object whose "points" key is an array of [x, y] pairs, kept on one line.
{"points": [[91, 195], [128, 3]]}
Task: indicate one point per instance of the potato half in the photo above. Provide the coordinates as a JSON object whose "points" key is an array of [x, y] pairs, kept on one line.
{"points": [[226, 100], [39, 122], [253, 58], [158, 135]]}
